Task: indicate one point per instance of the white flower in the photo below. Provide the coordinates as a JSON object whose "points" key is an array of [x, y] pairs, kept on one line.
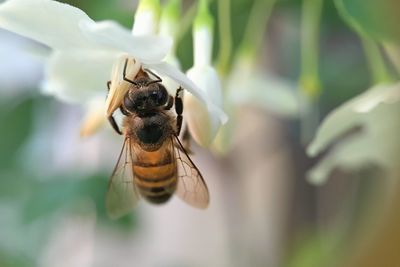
{"points": [[84, 51], [376, 114], [203, 125]]}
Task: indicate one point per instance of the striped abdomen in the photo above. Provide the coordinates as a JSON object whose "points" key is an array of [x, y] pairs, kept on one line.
{"points": [[155, 174]]}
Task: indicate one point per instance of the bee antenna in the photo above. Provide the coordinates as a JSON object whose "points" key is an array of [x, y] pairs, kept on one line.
{"points": [[155, 75], [151, 82]]}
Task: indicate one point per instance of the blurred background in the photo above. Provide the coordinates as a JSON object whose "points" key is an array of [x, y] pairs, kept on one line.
{"points": [[264, 210]]}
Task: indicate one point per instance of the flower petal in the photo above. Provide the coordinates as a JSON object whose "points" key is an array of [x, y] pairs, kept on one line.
{"points": [[78, 76], [145, 23], [348, 115], [146, 17], [376, 111], [166, 69], [119, 87], [202, 126], [49, 22], [203, 123], [61, 26], [95, 117], [170, 84], [147, 49]]}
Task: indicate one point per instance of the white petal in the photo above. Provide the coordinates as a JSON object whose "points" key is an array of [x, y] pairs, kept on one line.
{"points": [[119, 87], [145, 23], [348, 115], [19, 69], [202, 46], [202, 126], [95, 116], [168, 70], [62, 26], [147, 49], [376, 111], [49, 22], [78, 76], [169, 83], [202, 122]]}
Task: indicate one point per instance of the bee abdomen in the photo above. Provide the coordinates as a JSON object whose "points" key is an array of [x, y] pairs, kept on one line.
{"points": [[156, 182]]}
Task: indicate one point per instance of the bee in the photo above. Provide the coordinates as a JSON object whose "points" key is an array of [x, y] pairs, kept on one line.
{"points": [[153, 163]]}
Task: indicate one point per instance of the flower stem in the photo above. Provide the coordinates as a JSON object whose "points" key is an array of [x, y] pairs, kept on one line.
{"points": [[255, 28], [225, 36], [187, 20], [376, 63], [309, 78], [309, 81]]}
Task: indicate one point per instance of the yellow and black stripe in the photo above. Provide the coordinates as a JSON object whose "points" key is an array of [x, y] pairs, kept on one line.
{"points": [[155, 175]]}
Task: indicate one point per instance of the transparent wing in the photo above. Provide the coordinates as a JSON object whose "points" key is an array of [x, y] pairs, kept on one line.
{"points": [[191, 186], [122, 195]]}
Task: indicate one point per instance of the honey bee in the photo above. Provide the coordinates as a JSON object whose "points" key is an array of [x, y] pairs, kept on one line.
{"points": [[153, 163]]}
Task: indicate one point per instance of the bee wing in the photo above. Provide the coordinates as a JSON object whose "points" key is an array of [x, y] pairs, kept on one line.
{"points": [[191, 186], [122, 194]]}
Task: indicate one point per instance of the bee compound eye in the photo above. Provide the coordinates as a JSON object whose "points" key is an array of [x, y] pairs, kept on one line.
{"points": [[162, 95], [156, 97], [128, 103]]}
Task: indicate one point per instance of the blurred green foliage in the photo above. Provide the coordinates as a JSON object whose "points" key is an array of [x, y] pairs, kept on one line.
{"points": [[36, 200], [314, 250], [378, 19], [16, 119]]}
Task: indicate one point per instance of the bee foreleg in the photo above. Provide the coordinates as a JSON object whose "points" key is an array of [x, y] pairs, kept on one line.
{"points": [[179, 110], [186, 139], [114, 124], [111, 118]]}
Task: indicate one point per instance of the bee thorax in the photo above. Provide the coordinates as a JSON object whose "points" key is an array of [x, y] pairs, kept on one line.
{"points": [[150, 130]]}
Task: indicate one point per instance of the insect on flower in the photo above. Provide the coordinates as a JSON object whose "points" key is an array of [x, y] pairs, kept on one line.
{"points": [[153, 162]]}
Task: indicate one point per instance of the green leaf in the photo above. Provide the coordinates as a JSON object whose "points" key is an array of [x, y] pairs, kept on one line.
{"points": [[379, 20]]}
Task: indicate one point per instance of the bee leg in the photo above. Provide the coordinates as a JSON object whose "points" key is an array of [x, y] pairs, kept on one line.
{"points": [[108, 88], [186, 140], [124, 74], [170, 103], [179, 109], [186, 137], [111, 118], [114, 124]]}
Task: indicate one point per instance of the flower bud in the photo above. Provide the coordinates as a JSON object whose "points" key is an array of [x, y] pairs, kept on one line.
{"points": [[146, 17], [203, 121]]}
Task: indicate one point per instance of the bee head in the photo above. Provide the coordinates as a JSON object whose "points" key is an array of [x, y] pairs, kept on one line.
{"points": [[146, 96]]}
